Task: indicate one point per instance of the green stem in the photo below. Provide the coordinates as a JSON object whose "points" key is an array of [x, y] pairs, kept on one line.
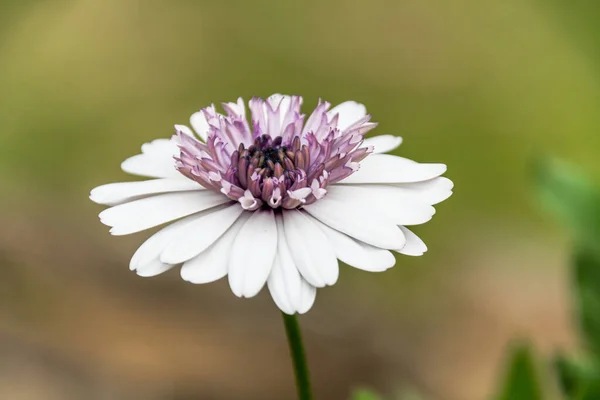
{"points": [[292, 329]]}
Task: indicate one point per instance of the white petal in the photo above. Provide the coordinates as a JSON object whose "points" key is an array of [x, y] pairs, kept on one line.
{"points": [[349, 111], [310, 249], [152, 211], [433, 191], [162, 147], [156, 160], [285, 282], [414, 245], [279, 284], [306, 297], [153, 268], [382, 143], [426, 192], [253, 254], [361, 223], [358, 254], [151, 166], [120, 192], [387, 201], [386, 168], [212, 264], [150, 250], [200, 125], [198, 235], [308, 293]]}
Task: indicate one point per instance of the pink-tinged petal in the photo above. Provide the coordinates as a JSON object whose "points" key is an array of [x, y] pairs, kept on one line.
{"points": [[200, 125], [249, 202], [299, 194], [316, 190], [237, 110], [280, 106], [258, 116], [184, 129], [275, 199], [317, 118]]}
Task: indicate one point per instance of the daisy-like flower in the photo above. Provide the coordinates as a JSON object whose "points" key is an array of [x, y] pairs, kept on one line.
{"points": [[275, 199]]}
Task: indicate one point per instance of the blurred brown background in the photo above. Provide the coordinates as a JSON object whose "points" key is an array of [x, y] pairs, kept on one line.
{"points": [[482, 86]]}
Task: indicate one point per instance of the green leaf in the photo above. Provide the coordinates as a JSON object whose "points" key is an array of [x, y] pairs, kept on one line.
{"points": [[579, 380], [521, 381], [365, 394], [569, 376], [587, 284], [572, 197]]}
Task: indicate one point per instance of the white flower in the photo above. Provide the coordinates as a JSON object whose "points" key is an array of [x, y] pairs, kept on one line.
{"points": [[276, 200]]}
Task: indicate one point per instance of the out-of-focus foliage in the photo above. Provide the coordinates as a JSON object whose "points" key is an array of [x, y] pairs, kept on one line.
{"points": [[575, 199], [579, 379], [368, 394], [587, 292], [365, 394], [521, 381]]}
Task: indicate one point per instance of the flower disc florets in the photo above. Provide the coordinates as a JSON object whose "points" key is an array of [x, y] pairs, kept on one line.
{"points": [[280, 162]]}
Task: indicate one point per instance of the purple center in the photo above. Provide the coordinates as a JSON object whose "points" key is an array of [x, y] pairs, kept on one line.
{"points": [[267, 169], [277, 161], [268, 158]]}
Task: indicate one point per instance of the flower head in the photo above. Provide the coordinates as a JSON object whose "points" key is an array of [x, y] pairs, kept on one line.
{"points": [[275, 199]]}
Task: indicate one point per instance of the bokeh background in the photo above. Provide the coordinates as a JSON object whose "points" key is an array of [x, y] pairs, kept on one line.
{"points": [[483, 86]]}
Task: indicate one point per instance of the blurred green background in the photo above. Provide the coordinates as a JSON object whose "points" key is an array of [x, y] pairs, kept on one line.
{"points": [[484, 87]]}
